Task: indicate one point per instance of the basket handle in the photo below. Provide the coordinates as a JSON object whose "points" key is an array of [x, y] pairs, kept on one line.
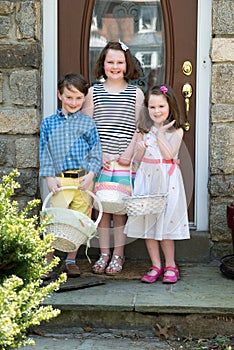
{"points": [[100, 209], [130, 170]]}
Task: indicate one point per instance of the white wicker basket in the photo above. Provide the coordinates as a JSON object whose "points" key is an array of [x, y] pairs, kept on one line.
{"points": [[70, 228], [144, 204], [111, 195]]}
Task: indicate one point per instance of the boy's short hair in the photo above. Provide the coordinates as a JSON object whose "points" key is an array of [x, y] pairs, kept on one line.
{"points": [[73, 79]]}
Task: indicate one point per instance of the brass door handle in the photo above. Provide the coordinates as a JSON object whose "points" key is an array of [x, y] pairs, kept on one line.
{"points": [[187, 92]]}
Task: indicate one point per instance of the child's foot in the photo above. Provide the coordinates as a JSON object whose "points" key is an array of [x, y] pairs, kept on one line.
{"points": [[115, 266], [171, 274], [152, 275], [101, 264], [72, 270]]}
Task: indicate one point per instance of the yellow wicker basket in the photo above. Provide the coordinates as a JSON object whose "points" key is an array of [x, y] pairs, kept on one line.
{"points": [[70, 228]]}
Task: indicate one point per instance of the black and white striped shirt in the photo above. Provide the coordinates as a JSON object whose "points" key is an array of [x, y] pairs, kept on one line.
{"points": [[114, 115]]}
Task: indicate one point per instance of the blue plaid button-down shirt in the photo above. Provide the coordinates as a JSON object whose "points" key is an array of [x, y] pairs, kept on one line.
{"points": [[69, 142]]}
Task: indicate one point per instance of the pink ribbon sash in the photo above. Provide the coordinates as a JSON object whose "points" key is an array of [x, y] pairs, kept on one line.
{"points": [[174, 162]]}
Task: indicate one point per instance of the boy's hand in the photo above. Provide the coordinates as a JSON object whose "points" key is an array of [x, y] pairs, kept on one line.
{"points": [[52, 184], [85, 181]]}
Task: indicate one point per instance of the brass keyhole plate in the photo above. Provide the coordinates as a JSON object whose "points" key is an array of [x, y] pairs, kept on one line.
{"points": [[187, 68]]}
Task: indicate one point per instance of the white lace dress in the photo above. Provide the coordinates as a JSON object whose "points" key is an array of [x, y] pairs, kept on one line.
{"points": [[155, 176]]}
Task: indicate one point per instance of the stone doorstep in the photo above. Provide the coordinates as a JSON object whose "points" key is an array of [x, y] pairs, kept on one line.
{"points": [[199, 305]]}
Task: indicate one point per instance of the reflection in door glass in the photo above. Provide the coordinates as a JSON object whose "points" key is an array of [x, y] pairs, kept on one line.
{"points": [[139, 24]]}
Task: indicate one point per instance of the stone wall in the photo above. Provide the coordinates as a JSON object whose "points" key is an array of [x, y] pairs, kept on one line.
{"points": [[221, 183], [20, 92]]}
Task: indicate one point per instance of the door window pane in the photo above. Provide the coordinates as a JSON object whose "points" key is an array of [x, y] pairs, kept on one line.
{"points": [[139, 24]]}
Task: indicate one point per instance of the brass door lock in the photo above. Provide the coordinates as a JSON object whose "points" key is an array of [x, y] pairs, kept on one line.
{"points": [[187, 68]]}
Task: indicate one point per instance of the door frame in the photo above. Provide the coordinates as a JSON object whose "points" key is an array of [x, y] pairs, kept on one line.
{"points": [[203, 79]]}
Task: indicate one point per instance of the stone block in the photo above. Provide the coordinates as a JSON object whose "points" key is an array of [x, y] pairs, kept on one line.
{"points": [[37, 10], [3, 152], [222, 149], [222, 49], [218, 220], [27, 150], [223, 16], [25, 18], [222, 113], [223, 83], [1, 88], [24, 87], [21, 55], [222, 185], [19, 121], [5, 26], [7, 153], [28, 181], [6, 7]]}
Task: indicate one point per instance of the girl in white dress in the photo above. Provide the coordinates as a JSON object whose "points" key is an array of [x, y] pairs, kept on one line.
{"points": [[159, 139]]}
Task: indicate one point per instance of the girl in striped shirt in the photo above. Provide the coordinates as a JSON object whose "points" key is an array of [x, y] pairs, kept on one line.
{"points": [[114, 104]]}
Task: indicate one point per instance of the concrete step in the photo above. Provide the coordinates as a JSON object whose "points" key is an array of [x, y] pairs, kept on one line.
{"points": [[199, 305]]}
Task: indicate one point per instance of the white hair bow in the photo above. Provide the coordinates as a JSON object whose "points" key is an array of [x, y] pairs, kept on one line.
{"points": [[123, 46]]}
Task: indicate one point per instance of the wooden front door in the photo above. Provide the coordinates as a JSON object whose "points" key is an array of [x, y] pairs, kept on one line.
{"points": [[161, 34]]}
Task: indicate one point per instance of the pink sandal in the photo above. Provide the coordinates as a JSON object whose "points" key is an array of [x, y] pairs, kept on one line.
{"points": [[173, 278], [150, 279]]}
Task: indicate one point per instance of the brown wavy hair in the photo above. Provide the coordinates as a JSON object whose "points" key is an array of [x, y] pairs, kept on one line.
{"points": [[132, 69], [145, 123]]}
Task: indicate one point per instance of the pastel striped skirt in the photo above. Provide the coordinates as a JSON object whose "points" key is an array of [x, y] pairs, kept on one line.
{"points": [[112, 186]]}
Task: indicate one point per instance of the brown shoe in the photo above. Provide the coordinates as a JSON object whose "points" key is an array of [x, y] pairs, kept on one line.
{"points": [[72, 270]]}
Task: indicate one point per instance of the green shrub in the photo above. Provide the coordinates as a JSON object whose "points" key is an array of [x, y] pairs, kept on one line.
{"points": [[23, 250]]}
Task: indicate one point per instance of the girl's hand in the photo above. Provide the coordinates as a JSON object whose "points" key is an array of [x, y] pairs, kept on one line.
{"points": [[52, 184], [165, 127], [124, 161], [107, 159], [85, 181], [141, 146]]}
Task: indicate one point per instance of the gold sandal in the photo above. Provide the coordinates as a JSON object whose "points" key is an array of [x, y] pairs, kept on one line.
{"points": [[115, 266], [101, 264]]}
